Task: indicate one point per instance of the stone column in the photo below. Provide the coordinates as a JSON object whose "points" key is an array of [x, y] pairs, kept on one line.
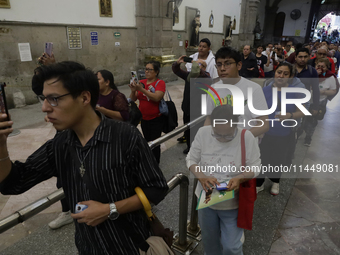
{"points": [[248, 21], [154, 31]]}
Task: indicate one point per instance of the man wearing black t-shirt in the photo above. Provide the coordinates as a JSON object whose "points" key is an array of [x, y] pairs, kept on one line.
{"points": [[261, 59]]}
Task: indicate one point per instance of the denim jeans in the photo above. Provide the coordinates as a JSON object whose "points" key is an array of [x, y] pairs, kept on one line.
{"points": [[220, 234]]}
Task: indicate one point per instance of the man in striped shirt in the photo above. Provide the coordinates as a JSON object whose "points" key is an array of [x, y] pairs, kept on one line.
{"points": [[99, 161]]}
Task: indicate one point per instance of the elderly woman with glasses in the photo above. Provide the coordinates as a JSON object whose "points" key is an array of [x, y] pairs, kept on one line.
{"points": [[150, 92], [218, 146]]}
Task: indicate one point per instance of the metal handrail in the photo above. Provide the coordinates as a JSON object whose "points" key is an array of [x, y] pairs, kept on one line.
{"points": [[175, 132], [30, 210]]}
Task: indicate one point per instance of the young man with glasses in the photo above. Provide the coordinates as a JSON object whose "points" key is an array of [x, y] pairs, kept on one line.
{"points": [[228, 64], [100, 162]]}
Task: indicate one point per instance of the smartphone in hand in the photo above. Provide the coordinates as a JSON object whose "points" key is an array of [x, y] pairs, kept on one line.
{"points": [[134, 77], [3, 102], [48, 48], [187, 59]]}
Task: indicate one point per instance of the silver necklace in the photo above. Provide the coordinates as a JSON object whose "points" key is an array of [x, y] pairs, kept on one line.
{"points": [[82, 168]]}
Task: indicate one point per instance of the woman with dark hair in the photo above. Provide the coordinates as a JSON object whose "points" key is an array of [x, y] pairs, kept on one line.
{"points": [[111, 102], [150, 92], [276, 142]]}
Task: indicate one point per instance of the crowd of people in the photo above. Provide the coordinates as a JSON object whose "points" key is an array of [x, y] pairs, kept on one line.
{"points": [[99, 158]]}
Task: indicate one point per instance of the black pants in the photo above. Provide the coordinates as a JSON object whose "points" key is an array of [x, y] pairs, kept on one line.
{"points": [[64, 205], [152, 129], [274, 150]]}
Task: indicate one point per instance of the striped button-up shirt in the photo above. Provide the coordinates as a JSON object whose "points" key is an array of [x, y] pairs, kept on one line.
{"points": [[116, 159]]}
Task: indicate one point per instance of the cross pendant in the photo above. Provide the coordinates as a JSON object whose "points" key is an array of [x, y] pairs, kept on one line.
{"points": [[82, 170]]}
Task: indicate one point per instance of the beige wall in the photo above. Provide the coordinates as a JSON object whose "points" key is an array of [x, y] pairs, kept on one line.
{"points": [[119, 60]]}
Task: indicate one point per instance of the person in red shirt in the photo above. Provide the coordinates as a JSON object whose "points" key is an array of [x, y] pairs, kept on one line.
{"points": [[150, 92]]}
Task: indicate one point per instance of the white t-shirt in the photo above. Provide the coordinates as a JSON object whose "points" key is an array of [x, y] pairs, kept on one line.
{"points": [[210, 61], [328, 83], [259, 100], [208, 151], [271, 64]]}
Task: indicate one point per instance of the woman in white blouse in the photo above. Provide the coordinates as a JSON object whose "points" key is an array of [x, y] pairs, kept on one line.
{"points": [[219, 146]]}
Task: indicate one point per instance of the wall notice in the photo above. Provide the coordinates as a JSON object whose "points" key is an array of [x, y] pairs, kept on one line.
{"points": [[74, 38], [25, 52], [94, 38]]}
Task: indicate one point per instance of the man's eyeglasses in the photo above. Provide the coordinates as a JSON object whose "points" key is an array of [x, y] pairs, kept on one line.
{"points": [[148, 69], [225, 65], [53, 101], [225, 137]]}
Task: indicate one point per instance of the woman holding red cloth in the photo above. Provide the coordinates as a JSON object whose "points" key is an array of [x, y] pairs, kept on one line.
{"points": [[150, 92]]}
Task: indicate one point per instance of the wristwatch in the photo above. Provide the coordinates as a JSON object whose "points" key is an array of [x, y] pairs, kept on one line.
{"points": [[114, 214]]}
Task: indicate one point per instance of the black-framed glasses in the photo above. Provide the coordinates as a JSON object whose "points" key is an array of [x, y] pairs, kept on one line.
{"points": [[53, 101], [148, 69], [225, 65]]}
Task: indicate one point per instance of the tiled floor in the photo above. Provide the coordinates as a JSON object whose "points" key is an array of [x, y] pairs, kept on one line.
{"points": [[311, 220]]}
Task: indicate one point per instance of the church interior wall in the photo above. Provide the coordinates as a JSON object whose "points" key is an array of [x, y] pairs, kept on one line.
{"points": [[219, 7], [295, 28], [85, 12]]}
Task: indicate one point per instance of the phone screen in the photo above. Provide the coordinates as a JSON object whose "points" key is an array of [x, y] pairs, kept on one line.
{"points": [[3, 103], [134, 77]]}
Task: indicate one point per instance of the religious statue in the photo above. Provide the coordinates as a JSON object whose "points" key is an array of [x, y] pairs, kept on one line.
{"points": [[257, 31], [195, 25], [211, 19], [230, 28]]}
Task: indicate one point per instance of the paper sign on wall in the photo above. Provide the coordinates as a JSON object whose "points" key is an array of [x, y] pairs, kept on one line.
{"points": [[74, 38], [94, 38], [25, 52]]}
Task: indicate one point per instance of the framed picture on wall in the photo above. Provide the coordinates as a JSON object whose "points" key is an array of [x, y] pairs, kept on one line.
{"points": [[105, 8], [5, 4]]}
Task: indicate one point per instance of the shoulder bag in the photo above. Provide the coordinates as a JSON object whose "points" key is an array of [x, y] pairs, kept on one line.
{"points": [[247, 195], [171, 120], [163, 108], [161, 240]]}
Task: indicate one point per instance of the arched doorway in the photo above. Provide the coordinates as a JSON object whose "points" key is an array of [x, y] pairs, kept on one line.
{"points": [[328, 28], [279, 24]]}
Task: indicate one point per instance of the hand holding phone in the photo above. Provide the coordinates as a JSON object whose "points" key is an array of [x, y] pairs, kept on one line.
{"points": [[48, 48], [79, 208], [187, 59], [134, 77], [222, 187]]}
